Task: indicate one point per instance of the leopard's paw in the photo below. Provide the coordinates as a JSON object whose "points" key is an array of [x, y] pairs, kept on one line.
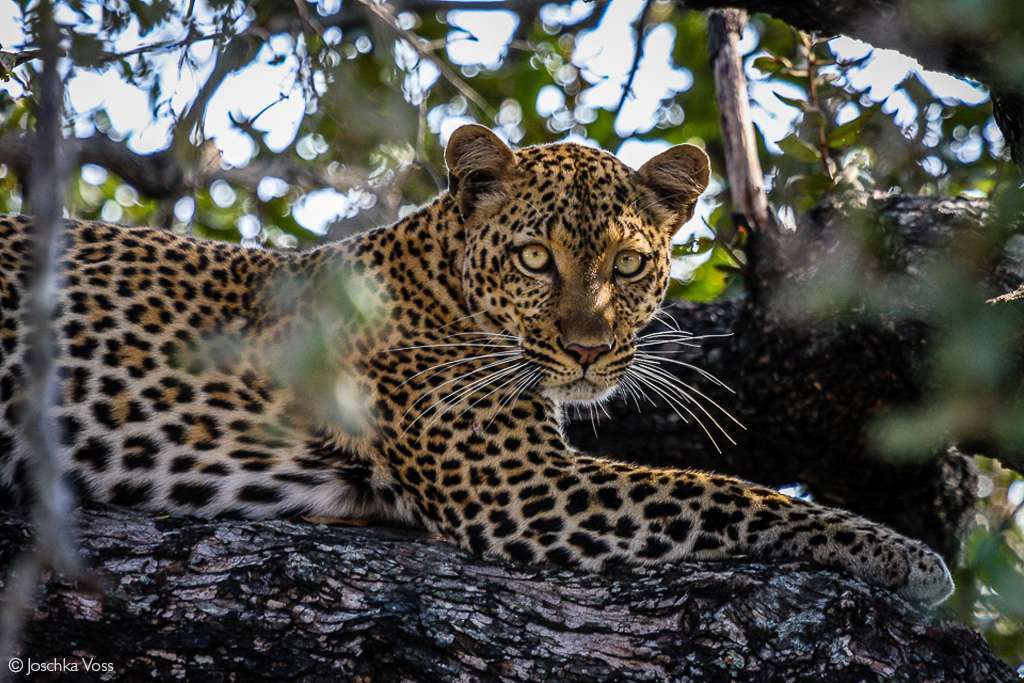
{"points": [[927, 578]]}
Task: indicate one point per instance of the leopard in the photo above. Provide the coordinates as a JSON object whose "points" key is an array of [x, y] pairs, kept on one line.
{"points": [[416, 374]]}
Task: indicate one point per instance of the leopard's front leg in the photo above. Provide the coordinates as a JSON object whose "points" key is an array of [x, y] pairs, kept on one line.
{"points": [[530, 500]]}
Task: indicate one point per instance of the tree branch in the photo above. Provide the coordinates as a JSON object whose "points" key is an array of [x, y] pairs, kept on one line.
{"points": [[54, 545], [385, 15], [1015, 295], [743, 168], [239, 52], [901, 25], [190, 599], [892, 24], [161, 175], [349, 18], [638, 55], [157, 175]]}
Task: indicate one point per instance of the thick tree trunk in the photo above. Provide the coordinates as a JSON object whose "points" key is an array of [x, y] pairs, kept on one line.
{"points": [[194, 600], [808, 390]]}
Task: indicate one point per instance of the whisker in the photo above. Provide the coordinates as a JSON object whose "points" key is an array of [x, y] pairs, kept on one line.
{"points": [[471, 386], [459, 320], [516, 392], [661, 342], [683, 335], [667, 320], [703, 373], [628, 386], [495, 364], [673, 402], [504, 361], [515, 378], [684, 395], [459, 361], [695, 390], [483, 334], [461, 393], [669, 334], [544, 363], [653, 340], [452, 345], [518, 388], [686, 337]]}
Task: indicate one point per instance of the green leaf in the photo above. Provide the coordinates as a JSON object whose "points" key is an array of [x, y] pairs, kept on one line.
{"points": [[806, 191], [802, 105], [694, 247], [799, 149], [847, 134], [768, 65], [86, 49], [8, 60], [710, 280]]}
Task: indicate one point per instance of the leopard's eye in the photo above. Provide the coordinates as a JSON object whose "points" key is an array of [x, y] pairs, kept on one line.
{"points": [[629, 263], [535, 258]]}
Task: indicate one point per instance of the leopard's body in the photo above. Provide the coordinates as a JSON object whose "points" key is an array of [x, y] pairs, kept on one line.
{"points": [[182, 382]]}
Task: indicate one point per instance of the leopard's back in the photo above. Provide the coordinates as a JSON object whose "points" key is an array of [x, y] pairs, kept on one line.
{"points": [[14, 260], [147, 414]]}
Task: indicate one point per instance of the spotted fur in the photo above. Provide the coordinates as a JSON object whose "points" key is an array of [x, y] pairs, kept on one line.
{"points": [[185, 384]]}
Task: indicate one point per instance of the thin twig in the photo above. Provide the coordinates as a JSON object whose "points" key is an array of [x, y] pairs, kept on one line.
{"points": [[187, 41], [236, 54], [737, 257], [9, 61], [1015, 295], [387, 19], [281, 97], [1010, 519], [815, 104], [303, 11], [53, 546], [638, 55]]}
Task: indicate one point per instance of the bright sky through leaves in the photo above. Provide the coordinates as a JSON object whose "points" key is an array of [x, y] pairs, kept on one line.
{"points": [[603, 56]]}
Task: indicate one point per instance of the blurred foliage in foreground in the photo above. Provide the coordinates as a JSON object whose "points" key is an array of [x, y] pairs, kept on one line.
{"points": [[974, 370], [341, 123]]}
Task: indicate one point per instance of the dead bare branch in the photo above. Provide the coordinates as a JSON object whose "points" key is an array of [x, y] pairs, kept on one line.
{"points": [[54, 546]]}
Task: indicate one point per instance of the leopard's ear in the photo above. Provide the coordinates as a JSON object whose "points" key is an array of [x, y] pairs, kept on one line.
{"points": [[478, 164], [676, 178]]}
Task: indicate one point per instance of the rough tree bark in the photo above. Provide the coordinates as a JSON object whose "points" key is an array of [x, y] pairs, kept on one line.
{"points": [[163, 175], [210, 601]]}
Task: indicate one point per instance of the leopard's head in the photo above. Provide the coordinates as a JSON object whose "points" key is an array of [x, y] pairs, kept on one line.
{"points": [[568, 249]]}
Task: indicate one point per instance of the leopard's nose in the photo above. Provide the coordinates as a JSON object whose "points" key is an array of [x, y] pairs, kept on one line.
{"points": [[585, 355]]}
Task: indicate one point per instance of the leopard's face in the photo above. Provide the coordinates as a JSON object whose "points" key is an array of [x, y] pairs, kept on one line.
{"points": [[567, 252]]}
